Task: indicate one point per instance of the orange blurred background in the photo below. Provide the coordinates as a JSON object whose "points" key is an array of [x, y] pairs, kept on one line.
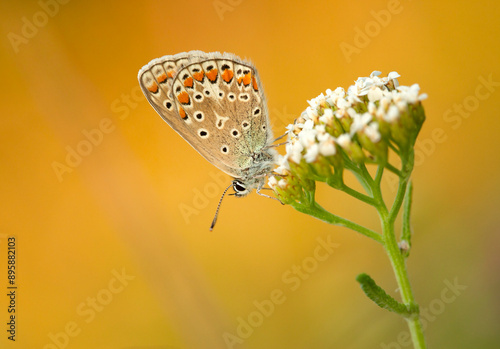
{"points": [[114, 251]]}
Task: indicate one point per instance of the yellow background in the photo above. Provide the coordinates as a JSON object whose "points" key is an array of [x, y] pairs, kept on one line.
{"points": [[120, 208]]}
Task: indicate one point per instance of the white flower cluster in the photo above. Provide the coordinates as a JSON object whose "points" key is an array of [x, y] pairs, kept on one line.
{"points": [[368, 102]]}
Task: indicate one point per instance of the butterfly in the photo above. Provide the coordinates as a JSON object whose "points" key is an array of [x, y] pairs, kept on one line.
{"points": [[215, 101]]}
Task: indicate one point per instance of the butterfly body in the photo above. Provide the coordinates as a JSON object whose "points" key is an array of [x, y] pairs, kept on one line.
{"points": [[216, 103]]}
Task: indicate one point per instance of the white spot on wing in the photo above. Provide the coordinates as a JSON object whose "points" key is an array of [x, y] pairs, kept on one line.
{"points": [[199, 116], [198, 97], [221, 120], [203, 133], [235, 133], [257, 111], [244, 97]]}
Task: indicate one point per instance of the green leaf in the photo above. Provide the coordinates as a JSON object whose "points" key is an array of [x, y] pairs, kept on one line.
{"points": [[382, 299]]}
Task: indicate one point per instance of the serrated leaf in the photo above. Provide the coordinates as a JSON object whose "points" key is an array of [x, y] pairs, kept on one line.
{"points": [[381, 298]]}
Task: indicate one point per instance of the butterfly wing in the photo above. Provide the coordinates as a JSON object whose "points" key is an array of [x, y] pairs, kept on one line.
{"points": [[220, 100], [156, 79], [215, 102]]}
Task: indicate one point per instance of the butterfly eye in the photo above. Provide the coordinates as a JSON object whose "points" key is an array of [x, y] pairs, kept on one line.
{"points": [[239, 187]]}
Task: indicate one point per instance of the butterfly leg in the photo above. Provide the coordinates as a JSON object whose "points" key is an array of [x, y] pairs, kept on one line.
{"points": [[277, 139], [278, 175], [283, 135], [276, 145], [267, 196]]}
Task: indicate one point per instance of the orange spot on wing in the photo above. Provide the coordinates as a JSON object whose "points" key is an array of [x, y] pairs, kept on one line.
{"points": [[198, 76], [153, 88], [183, 97], [254, 82], [188, 82], [212, 75], [227, 75], [170, 74], [162, 78], [182, 113], [247, 79]]}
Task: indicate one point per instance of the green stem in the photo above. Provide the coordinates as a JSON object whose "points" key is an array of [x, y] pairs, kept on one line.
{"points": [[366, 174], [393, 147], [357, 194], [397, 259], [378, 176], [315, 210], [406, 227], [361, 179], [407, 167], [401, 273], [377, 195], [340, 185], [393, 169], [359, 174], [398, 201]]}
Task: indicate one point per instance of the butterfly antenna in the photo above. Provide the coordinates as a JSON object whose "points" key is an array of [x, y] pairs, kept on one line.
{"points": [[218, 206]]}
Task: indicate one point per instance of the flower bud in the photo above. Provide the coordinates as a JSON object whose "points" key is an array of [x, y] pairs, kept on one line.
{"points": [[360, 125]]}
